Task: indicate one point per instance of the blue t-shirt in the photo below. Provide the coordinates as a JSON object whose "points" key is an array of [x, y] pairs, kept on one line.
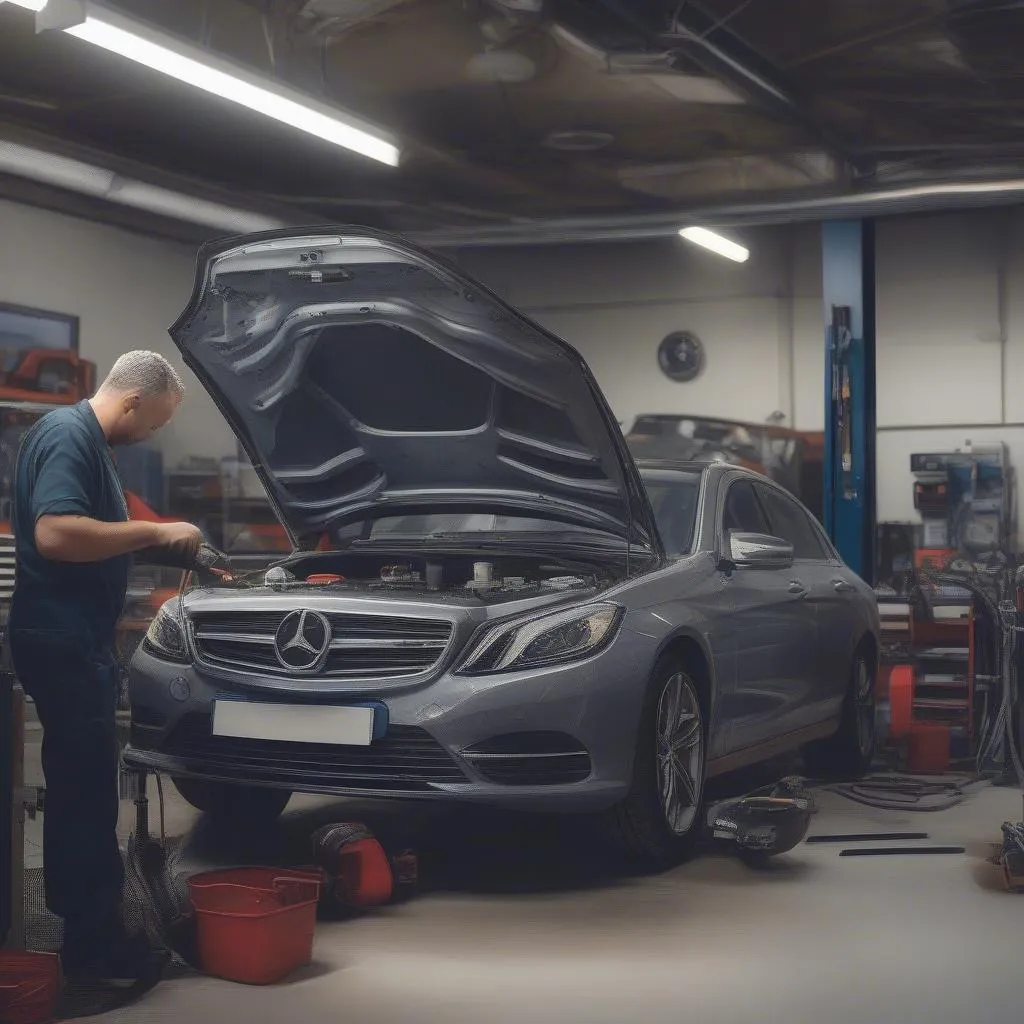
{"points": [[65, 467]]}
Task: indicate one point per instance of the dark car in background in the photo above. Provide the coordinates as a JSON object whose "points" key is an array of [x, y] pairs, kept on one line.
{"points": [[488, 600], [792, 458]]}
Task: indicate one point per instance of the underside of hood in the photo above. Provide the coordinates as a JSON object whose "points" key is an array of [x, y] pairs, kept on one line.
{"points": [[366, 378]]}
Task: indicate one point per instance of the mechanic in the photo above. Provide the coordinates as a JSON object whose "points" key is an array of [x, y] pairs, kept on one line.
{"points": [[74, 540]]}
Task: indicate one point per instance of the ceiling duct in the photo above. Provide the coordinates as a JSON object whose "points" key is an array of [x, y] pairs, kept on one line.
{"points": [[656, 67], [736, 175], [336, 17], [519, 7], [884, 202]]}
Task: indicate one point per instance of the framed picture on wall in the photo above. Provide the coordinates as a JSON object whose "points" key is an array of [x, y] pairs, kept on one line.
{"points": [[25, 333]]}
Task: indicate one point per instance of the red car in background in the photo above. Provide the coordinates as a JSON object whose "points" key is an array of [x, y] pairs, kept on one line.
{"points": [[792, 458]]}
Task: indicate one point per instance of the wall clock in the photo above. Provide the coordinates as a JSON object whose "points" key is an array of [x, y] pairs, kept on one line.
{"points": [[681, 356]]}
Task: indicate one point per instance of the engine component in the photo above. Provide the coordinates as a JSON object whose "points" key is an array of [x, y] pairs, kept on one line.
{"points": [[435, 575], [399, 574], [483, 577], [565, 582], [277, 576]]}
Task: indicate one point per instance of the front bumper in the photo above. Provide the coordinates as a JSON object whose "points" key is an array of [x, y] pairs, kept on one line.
{"points": [[557, 740]]}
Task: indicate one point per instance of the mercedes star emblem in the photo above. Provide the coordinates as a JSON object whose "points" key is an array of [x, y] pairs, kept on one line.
{"points": [[302, 640]]}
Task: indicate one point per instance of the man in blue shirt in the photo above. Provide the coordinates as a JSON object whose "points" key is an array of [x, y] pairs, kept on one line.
{"points": [[74, 547]]}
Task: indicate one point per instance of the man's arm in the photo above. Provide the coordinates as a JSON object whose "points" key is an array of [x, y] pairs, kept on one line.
{"points": [[64, 480], [75, 538]]}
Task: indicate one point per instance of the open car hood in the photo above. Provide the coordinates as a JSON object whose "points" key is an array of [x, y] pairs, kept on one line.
{"points": [[366, 378]]}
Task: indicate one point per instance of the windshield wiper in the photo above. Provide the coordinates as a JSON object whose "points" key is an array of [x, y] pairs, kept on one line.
{"points": [[519, 537]]}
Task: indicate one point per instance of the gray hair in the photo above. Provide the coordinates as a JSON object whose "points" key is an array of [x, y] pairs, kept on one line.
{"points": [[146, 374]]}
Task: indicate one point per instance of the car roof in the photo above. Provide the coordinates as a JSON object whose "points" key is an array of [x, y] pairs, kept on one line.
{"points": [[665, 465], [671, 466], [710, 468], [769, 429]]}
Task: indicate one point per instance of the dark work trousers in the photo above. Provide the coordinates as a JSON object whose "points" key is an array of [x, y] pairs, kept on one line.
{"points": [[75, 688]]}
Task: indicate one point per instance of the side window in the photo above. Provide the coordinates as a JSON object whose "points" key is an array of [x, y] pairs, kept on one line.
{"points": [[790, 522], [743, 511]]}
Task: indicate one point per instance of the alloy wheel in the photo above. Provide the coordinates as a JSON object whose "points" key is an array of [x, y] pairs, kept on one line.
{"points": [[680, 754]]}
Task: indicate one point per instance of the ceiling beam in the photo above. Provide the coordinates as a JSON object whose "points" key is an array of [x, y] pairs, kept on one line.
{"points": [[714, 47], [73, 204], [15, 131], [896, 199]]}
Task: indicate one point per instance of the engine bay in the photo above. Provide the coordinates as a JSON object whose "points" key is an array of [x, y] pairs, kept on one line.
{"points": [[488, 580]]}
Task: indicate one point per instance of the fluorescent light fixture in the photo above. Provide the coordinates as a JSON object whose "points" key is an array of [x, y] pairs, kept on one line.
{"points": [[716, 243], [218, 76], [29, 5], [87, 179]]}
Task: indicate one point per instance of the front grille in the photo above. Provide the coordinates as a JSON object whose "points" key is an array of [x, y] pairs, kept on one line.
{"points": [[362, 646], [406, 759]]}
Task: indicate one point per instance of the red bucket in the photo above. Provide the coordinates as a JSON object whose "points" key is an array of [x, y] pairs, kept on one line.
{"points": [[29, 987], [255, 925]]}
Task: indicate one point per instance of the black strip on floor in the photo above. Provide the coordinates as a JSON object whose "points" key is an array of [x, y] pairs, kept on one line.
{"points": [[899, 851], [866, 837]]}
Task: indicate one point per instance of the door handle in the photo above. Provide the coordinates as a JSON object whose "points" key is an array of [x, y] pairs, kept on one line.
{"points": [[841, 586], [796, 587]]}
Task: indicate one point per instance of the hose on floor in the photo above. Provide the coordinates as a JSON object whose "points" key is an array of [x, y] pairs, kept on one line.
{"points": [[900, 793]]}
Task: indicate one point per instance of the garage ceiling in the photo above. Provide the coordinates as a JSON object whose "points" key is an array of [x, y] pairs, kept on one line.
{"points": [[514, 111]]}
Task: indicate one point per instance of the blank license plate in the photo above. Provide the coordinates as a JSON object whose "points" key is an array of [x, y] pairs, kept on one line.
{"points": [[293, 723]]}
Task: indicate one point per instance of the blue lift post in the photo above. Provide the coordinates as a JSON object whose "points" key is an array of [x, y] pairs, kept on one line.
{"points": [[848, 285]]}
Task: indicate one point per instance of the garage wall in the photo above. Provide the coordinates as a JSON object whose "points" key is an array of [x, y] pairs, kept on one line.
{"points": [[126, 290], [950, 322], [950, 342], [616, 303]]}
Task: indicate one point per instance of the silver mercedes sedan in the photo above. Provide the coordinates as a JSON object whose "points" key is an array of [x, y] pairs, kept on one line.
{"points": [[488, 599]]}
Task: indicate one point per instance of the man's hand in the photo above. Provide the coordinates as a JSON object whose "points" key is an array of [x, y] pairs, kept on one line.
{"points": [[176, 544], [186, 537]]}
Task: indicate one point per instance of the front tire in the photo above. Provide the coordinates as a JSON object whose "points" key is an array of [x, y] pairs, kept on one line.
{"points": [[660, 820], [233, 806], [848, 754]]}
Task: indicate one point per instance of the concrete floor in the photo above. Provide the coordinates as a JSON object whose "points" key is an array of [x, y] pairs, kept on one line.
{"points": [[522, 921]]}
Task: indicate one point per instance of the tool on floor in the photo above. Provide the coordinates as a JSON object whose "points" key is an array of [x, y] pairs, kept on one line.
{"points": [[1011, 857], [761, 826], [899, 851], [866, 837], [359, 872]]}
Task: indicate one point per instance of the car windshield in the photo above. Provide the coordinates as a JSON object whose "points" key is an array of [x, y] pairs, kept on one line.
{"points": [[441, 526], [674, 497], [673, 493]]}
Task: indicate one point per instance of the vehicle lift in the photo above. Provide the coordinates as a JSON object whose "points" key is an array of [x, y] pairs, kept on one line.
{"points": [[848, 285]]}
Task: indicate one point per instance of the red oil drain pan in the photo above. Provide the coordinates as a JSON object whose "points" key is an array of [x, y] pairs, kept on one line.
{"points": [[255, 925]]}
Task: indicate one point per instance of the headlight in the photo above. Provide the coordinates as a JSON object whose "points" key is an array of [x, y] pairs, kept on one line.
{"points": [[166, 635], [547, 640]]}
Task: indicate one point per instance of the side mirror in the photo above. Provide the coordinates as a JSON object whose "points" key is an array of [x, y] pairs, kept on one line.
{"points": [[758, 551]]}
